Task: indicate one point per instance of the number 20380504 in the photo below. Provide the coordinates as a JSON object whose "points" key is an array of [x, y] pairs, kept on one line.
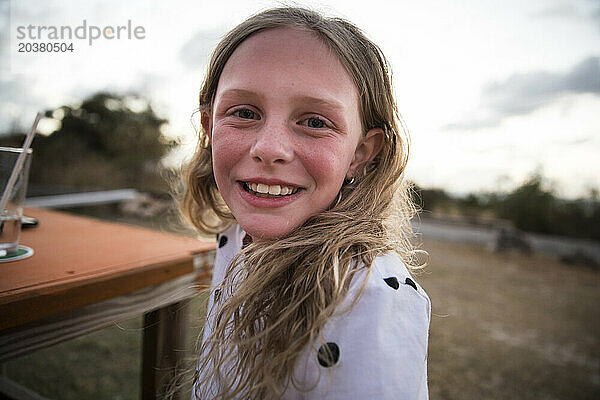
{"points": [[45, 47]]}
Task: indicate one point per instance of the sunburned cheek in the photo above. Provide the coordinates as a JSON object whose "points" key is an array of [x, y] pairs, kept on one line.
{"points": [[225, 149], [329, 165], [323, 168]]}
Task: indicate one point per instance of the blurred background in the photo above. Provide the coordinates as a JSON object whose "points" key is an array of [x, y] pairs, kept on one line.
{"points": [[502, 101]]}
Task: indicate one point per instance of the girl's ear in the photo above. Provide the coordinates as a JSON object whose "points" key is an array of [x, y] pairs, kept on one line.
{"points": [[206, 122], [369, 146]]}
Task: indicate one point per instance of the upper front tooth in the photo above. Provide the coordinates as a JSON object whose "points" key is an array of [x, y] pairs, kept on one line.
{"points": [[275, 189], [270, 189]]}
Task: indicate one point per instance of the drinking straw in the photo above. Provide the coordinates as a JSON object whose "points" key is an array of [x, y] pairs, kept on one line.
{"points": [[19, 164]]}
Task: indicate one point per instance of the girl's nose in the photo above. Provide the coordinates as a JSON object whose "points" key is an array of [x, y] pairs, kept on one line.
{"points": [[272, 144]]}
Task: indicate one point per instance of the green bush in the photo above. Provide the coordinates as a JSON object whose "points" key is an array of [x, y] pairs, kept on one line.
{"points": [[531, 207], [109, 141]]}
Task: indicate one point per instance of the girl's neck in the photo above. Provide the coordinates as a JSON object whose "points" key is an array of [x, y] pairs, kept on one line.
{"points": [[247, 240]]}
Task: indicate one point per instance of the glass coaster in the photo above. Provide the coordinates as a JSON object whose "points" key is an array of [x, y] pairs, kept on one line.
{"points": [[21, 253]]}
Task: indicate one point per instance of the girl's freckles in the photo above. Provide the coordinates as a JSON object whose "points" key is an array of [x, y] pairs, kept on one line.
{"points": [[272, 143]]}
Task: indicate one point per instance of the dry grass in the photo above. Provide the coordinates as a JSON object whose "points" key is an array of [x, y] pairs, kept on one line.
{"points": [[511, 327]]}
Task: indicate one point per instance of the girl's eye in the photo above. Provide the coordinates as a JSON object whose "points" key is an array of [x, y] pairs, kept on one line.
{"points": [[245, 113], [315, 123]]}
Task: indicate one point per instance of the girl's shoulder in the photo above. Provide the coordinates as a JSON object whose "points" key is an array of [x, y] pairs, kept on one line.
{"points": [[391, 297], [375, 345], [389, 272]]}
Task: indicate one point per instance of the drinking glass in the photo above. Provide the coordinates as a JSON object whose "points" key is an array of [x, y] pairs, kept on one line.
{"points": [[10, 218]]}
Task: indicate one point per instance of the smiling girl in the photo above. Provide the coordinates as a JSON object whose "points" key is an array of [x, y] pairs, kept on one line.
{"points": [[299, 171]]}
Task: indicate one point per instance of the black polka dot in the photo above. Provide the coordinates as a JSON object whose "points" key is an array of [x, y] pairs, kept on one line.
{"points": [[328, 354], [410, 282], [217, 295], [392, 282], [222, 241]]}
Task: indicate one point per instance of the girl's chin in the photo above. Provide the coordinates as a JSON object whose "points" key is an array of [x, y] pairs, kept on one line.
{"points": [[266, 234], [266, 229]]}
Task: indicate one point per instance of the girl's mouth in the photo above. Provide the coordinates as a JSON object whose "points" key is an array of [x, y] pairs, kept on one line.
{"points": [[269, 191]]}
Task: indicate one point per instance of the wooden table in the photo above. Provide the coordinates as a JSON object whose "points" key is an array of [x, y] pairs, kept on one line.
{"points": [[86, 274]]}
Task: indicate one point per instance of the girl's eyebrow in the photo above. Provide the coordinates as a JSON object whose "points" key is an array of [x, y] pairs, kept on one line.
{"points": [[330, 103], [239, 93]]}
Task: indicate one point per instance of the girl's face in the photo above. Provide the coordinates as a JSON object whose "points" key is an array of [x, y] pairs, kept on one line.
{"points": [[285, 131]]}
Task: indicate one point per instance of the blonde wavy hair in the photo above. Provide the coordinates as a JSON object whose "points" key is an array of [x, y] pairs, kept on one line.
{"points": [[280, 293]]}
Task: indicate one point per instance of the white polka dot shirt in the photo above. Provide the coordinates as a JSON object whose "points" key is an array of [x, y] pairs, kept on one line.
{"points": [[377, 350]]}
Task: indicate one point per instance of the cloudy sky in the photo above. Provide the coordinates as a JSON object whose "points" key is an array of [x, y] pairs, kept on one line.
{"points": [[490, 90]]}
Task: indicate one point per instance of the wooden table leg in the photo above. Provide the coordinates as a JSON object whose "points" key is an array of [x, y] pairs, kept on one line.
{"points": [[163, 351]]}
